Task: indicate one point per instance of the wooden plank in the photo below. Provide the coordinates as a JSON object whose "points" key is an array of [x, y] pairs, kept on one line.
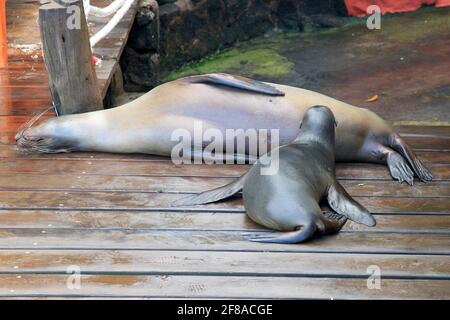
{"points": [[110, 49], [220, 221], [426, 137], [151, 184], [26, 93], [68, 58], [223, 263], [54, 200], [105, 72], [380, 172], [348, 171], [3, 41], [424, 142], [443, 131], [344, 242], [10, 151], [220, 287], [438, 156], [22, 27], [80, 200], [392, 188], [23, 65], [19, 107]]}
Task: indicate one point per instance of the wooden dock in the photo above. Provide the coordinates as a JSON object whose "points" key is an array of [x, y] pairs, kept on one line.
{"points": [[109, 216], [24, 39]]}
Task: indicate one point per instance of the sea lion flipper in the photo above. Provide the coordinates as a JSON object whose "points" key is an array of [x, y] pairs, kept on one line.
{"points": [[344, 204], [397, 143], [237, 82], [300, 235], [332, 221], [212, 195], [398, 168]]}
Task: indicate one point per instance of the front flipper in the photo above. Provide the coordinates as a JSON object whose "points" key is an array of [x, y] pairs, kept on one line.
{"points": [[300, 235], [344, 204], [212, 195], [237, 82]]}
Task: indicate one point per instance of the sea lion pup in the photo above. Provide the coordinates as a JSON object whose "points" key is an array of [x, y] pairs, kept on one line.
{"points": [[288, 201], [221, 101]]}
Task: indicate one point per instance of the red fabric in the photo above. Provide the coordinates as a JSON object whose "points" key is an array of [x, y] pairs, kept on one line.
{"points": [[359, 7]]}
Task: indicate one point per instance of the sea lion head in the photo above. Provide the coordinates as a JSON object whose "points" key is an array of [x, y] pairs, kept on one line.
{"points": [[49, 136], [318, 125]]}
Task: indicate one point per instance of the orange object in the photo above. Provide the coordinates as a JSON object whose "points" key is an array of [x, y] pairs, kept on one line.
{"points": [[3, 43], [373, 99], [359, 7]]}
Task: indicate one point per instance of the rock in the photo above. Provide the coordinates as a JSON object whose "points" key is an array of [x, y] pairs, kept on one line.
{"points": [[168, 11], [161, 2], [188, 30], [142, 70]]}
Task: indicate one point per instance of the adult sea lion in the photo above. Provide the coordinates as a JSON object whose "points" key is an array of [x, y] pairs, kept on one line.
{"points": [[288, 201], [222, 101]]}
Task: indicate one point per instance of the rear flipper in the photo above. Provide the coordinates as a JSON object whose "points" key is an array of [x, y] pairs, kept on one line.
{"points": [[341, 202], [332, 221], [303, 233], [212, 195], [398, 167], [396, 143]]}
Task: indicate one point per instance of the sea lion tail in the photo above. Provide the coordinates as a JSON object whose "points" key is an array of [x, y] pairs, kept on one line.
{"points": [[212, 195], [303, 233], [397, 143]]}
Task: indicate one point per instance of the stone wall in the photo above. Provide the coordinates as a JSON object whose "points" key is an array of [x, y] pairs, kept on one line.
{"points": [[170, 33]]}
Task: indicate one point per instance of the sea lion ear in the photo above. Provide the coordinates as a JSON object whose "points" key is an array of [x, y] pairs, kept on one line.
{"points": [[341, 202]]}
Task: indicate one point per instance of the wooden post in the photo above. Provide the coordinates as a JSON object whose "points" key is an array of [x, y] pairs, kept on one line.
{"points": [[68, 58], [3, 41]]}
